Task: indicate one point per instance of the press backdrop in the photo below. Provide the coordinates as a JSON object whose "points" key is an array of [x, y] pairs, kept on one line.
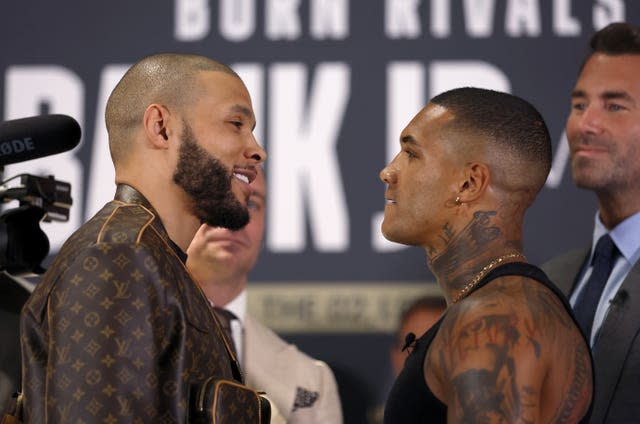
{"points": [[333, 83]]}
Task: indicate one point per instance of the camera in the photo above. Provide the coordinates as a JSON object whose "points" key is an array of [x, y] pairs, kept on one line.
{"points": [[23, 244]]}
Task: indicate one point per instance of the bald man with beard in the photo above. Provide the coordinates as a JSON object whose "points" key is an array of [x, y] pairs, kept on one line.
{"points": [[117, 331]]}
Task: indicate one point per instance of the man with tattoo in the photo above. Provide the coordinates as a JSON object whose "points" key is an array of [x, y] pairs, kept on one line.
{"points": [[603, 130], [507, 348]]}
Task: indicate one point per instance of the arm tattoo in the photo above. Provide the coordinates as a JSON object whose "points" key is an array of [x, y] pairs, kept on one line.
{"points": [[489, 391]]}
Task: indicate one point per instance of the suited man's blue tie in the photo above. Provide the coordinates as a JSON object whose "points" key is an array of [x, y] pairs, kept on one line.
{"points": [[603, 259]]}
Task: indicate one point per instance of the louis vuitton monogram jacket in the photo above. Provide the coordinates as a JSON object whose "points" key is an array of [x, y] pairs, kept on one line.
{"points": [[117, 330]]}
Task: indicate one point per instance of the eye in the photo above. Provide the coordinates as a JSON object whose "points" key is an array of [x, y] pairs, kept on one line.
{"points": [[613, 107], [237, 124], [580, 106], [410, 154]]}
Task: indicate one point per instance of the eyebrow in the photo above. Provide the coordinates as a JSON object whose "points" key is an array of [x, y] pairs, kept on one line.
{"points": [[408, 139], [246, 112], [607, 95]]}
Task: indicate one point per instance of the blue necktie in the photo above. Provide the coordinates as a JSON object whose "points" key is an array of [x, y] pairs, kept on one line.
{"points": [[603, 258]]}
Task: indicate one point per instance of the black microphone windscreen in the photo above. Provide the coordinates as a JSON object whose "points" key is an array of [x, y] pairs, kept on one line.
{"points": [[37, 136]]}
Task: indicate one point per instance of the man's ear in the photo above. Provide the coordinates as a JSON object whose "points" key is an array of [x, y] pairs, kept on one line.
{"points": [[476, 180], [157, 125]]}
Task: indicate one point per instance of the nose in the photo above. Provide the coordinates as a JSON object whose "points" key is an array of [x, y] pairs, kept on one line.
{"points": [[255, 151], [590, 120], [388, 175]]}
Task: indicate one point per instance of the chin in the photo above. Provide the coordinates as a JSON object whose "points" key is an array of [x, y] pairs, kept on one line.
{"points": [[390, 235]]}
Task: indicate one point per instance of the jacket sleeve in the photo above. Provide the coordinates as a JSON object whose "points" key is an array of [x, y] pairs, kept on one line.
{"points": [[112, 334]]}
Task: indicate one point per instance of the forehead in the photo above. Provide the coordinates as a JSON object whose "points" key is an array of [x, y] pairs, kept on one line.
{"points": [[604, 72], [223, 90], [427, 124]]}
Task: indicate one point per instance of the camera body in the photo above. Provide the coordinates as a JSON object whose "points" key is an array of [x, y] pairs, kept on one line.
{"points": [[23, 244]]}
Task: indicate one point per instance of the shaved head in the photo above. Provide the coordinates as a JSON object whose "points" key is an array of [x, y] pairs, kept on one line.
{"points": [[169, 79], [506, 130]]}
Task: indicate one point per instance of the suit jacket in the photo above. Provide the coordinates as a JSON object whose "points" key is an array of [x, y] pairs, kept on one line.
{"points": [[617, 345], [117, 331], [303, 389]]}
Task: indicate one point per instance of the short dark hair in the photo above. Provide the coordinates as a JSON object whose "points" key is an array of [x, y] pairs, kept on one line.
{"points": [[616, 38], [507, 122], [427, 303], [431, 302], [169, 78]]}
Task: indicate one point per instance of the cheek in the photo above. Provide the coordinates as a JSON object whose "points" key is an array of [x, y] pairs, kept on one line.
{"points": [[571, 125]]}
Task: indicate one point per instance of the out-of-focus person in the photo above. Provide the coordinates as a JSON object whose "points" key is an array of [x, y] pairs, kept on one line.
{"points": [[301, 389], [602, 279]]}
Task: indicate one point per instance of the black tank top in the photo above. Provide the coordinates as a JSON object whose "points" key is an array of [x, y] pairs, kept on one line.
{"points": [[410, 399]]}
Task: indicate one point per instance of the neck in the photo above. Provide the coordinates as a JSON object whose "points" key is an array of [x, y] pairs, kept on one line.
{"points": [[471, 249], [614, 209], [172, 206], [221, 292]]}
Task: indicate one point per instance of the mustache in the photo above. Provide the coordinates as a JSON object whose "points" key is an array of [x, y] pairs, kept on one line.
{"points": [[587, 140]]}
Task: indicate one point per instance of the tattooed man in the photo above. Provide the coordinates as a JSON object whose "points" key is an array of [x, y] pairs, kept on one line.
{"points": [[507, 349]]}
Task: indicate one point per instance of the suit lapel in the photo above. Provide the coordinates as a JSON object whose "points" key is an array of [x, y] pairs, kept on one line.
{"points": [[617, 332], [565, 270], [266, 365]]}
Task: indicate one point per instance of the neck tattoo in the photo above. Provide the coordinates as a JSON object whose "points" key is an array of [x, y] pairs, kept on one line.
{"points": [[484, 271]]}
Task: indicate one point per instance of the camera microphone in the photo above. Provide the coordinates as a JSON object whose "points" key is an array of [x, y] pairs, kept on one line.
{"points": [[38, 136], [409, 341]]}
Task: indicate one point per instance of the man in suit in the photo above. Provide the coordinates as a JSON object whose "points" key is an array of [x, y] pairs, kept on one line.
{"points": [[117, 331], [302, 389], [603, 130]]}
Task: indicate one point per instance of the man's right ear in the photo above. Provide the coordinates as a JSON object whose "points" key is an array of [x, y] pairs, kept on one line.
{"points": [[156, 124]]}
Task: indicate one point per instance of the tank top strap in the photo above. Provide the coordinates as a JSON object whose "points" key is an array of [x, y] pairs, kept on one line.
{"points": [[525, 270]]}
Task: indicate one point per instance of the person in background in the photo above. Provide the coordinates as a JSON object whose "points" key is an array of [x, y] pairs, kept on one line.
{"points": [[302, 389], [415, 320], [507, 349], [602, 280], [116, 330]]}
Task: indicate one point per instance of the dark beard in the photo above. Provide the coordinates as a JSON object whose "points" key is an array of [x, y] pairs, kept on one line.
{"points": [[208, 183]]}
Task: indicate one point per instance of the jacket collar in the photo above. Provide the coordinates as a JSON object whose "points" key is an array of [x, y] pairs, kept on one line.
{"points": [[127, 194]]}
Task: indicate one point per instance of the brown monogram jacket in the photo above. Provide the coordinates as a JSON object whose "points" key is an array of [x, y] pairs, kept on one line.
{"points": [[117, 330]]}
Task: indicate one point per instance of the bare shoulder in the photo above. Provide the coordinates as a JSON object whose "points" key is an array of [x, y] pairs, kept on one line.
{"points": [[510, 352]]}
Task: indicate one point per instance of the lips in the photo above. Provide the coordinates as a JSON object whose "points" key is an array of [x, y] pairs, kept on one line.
{"points": [[389, 200], [589, 150], [223, 235], [245, 174]]}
